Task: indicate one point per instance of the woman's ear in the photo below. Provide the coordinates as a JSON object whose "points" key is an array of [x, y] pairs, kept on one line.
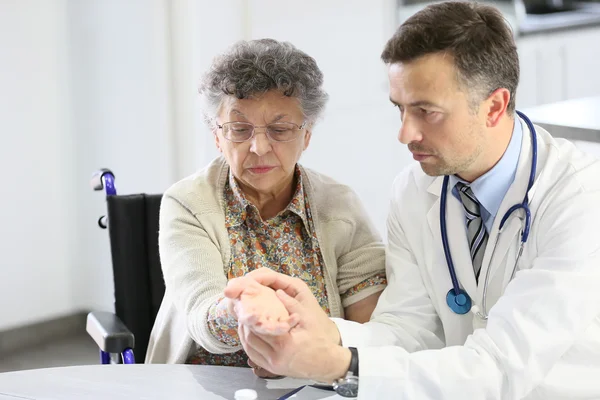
{"points": [[307, 137], [217, 140]]}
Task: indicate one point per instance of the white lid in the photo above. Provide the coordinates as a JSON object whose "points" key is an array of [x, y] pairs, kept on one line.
{"points": [[246, 394]]}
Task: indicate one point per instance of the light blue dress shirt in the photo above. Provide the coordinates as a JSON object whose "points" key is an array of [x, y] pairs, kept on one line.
{"points": [[491, 187]]}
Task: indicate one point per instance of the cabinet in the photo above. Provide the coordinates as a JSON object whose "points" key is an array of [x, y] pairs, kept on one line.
{"points": [[582, 64], [558, 66]]}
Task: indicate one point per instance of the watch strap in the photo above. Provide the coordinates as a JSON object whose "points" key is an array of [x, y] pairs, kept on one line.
{"points": [[353, 361]]}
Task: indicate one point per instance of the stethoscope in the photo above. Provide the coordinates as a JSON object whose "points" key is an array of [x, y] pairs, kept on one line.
{"points": [[457, 299]]}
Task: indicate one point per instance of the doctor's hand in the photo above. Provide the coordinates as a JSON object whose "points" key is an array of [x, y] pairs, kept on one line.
{"points": [[294, 288], [261, 372], [306, 351]]}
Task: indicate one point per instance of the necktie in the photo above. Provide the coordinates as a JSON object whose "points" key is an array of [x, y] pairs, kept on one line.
{"points": [[476, 233]]}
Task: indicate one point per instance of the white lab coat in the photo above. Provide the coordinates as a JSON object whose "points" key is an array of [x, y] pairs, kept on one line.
{"points": [[542, 338]]}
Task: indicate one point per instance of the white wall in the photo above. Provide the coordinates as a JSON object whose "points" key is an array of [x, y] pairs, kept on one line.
{"points": [[113, 83], [200, 32], [37, 189], [119, 54], [85, 84], [355, 143]]}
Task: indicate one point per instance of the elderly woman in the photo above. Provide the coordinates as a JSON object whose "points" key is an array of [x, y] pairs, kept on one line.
{"points": [[257, 207]]}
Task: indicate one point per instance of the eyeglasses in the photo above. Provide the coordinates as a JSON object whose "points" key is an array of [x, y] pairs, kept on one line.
{"points": [[239, 132]]}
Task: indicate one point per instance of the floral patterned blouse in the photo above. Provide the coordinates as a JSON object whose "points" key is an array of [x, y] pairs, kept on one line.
{"points": [[286, 243]]}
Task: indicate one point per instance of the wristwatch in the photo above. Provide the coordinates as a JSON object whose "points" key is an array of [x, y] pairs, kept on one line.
{"points": [[348, 385]]}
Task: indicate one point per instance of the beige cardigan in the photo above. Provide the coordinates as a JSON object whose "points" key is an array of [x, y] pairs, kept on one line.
{"points": [[195, 251]]}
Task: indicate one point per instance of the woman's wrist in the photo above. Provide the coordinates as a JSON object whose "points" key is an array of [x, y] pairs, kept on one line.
{"points": [[229, 306], [222, 323]]}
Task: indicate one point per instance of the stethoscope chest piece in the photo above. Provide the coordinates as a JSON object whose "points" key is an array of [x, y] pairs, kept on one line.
{"points": [[459, 303]]}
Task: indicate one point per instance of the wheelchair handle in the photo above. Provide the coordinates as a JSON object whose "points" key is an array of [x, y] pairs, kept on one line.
{"points": [[104, 179]]}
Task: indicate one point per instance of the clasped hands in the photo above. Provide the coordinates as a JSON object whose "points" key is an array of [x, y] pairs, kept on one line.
{"points": [[283, 329]]}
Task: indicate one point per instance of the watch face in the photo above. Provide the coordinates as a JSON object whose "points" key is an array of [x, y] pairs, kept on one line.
{"points": [[347, 387]]}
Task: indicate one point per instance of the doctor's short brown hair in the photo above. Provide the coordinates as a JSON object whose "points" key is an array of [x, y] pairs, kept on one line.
{"points": [[477, 37]]}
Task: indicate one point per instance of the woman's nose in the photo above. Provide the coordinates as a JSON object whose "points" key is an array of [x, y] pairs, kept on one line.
{"points": [[260, 143]]}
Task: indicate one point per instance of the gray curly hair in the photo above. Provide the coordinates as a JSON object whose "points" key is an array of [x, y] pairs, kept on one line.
{"points": [[250, 68]]}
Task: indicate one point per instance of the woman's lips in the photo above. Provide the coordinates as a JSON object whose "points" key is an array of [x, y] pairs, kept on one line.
{"points": [[261, 169]]}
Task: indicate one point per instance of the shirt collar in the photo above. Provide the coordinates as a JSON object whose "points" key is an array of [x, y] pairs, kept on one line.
{"points": [[490, 188], [238, 204]]}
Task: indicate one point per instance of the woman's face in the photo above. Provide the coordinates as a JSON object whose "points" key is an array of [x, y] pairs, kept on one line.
{"points": [[261, 165]]}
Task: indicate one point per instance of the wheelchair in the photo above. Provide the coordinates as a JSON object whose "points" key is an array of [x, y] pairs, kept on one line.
{"points": [[132, 224]]}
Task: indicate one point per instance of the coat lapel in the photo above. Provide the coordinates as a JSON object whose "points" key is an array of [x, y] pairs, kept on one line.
{"points": [[500, 242]]}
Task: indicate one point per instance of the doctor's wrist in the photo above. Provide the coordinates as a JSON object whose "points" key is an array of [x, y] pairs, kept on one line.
{"points": [[337, 364], [334, 333]]}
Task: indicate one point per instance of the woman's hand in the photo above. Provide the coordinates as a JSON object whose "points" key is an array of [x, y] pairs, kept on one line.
{"points": [[293, 287], [259, 308]]}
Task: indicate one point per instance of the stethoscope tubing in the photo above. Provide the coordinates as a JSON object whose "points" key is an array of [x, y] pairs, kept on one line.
{"points": [[524, 205]]}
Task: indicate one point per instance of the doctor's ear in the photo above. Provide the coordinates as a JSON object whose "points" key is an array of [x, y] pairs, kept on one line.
{"points": [[495, 106]]}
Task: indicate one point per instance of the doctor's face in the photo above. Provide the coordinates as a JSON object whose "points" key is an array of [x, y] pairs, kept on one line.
{"points": [[442, 129]]}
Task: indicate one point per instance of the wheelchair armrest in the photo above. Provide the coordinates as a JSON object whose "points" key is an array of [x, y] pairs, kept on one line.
{"points": [[109, 333]]}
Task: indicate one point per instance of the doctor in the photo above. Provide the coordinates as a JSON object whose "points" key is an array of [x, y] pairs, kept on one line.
{"points": [[493, 259]]}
